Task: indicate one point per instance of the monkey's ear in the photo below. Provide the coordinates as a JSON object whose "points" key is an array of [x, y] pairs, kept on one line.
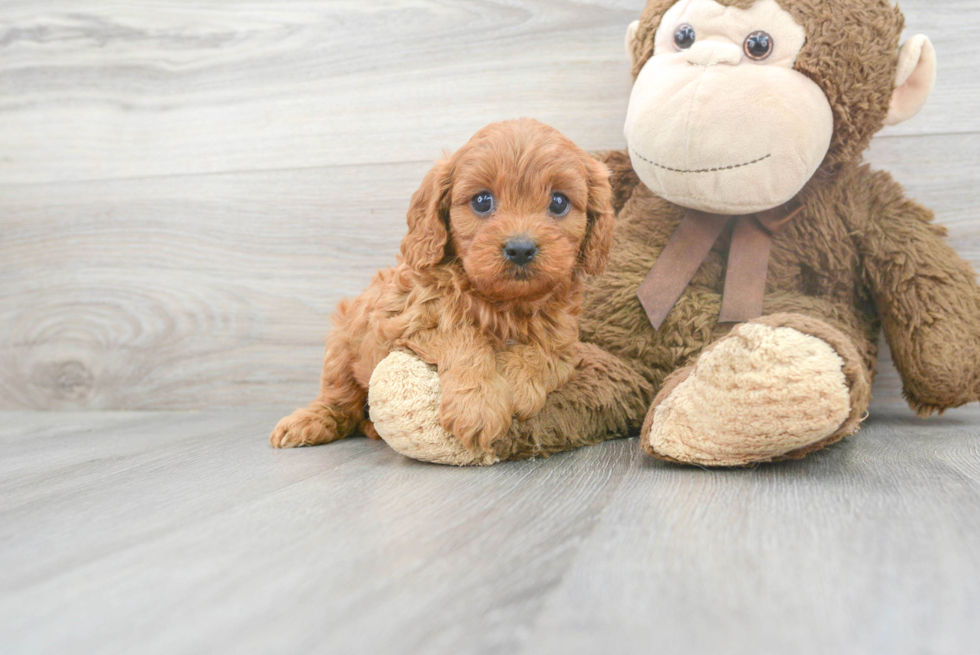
{"points": [[631, 39], [914, 79], [428, 220]]}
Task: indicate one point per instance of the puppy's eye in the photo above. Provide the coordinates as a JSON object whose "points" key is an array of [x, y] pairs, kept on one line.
{"points": [[684, 37], [758, 45], [482, 203], [559, 204]]}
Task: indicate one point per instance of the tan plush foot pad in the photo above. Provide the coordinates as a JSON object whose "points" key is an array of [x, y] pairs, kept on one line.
{"points": [[404, 396], [762, 392]]}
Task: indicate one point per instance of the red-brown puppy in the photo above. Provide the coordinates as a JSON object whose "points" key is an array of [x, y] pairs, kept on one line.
{"points": [[488, 288]]}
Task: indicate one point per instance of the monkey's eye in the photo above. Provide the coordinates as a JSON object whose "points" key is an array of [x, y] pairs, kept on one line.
{"points": [[482, 203], [684, 37], [559, 204], [758, 45]]}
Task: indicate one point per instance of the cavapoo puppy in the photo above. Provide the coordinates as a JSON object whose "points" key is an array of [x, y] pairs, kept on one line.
{"points": [[488, 288]]}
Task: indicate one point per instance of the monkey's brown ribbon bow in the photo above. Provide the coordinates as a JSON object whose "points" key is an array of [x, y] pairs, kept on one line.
{"points": [[748, 262]]}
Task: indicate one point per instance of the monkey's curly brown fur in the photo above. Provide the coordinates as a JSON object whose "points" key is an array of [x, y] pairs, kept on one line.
{"points": [[502, 336]]}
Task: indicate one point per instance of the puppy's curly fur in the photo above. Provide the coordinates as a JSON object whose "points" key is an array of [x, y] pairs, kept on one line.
{"points": [[501, 334]]}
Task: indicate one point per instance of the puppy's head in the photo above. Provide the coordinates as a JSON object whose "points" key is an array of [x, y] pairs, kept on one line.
{"points": [[520, 207]]}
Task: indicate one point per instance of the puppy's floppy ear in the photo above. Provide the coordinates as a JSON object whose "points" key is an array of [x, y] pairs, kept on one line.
{"points": [[428, 219], [602, 219]]}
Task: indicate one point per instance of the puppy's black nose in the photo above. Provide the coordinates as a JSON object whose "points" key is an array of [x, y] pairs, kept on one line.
{"points": [[520, 250]]}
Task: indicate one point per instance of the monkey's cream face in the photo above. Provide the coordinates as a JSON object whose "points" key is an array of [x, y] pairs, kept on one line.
{"points": [[718, 119]]}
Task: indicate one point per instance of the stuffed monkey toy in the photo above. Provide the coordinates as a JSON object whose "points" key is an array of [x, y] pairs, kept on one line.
{"points": [[756, 258]]}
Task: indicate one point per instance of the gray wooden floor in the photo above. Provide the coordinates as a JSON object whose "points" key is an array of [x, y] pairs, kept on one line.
{"points": [[183, 532]]}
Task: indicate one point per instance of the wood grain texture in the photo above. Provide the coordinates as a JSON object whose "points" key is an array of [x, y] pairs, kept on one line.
{"points": [[187, 189], [184, 532], [866, 549], [179, 87], [201, 87], [187, 292]]}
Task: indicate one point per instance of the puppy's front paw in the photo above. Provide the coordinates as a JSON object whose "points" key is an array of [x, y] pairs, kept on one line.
{"points": [[528, 397], [530, 378], [479, 416], [304, 427]]}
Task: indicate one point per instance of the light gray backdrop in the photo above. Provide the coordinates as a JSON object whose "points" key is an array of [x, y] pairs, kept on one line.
{"points": [[187, 190]]}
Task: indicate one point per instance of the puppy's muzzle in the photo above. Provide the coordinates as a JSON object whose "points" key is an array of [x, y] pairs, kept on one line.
{"points": [[520, 251]]}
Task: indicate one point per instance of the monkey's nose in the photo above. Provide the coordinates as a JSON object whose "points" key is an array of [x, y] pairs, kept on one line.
{"points": [[709, 53], [520, 251]]}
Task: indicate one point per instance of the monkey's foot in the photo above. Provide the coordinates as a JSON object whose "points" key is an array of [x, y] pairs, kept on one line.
{"points": [[776, 388], [404, 397]]}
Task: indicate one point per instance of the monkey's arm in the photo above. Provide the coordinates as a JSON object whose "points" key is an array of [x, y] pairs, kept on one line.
{"points": [[927, 297], [622, 178]]}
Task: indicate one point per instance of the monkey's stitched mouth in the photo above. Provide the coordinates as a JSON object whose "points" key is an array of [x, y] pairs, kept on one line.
{"points": [[700, 170]]}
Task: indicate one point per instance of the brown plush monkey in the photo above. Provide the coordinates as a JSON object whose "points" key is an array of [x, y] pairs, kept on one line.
{"points": [[756, 258]]}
